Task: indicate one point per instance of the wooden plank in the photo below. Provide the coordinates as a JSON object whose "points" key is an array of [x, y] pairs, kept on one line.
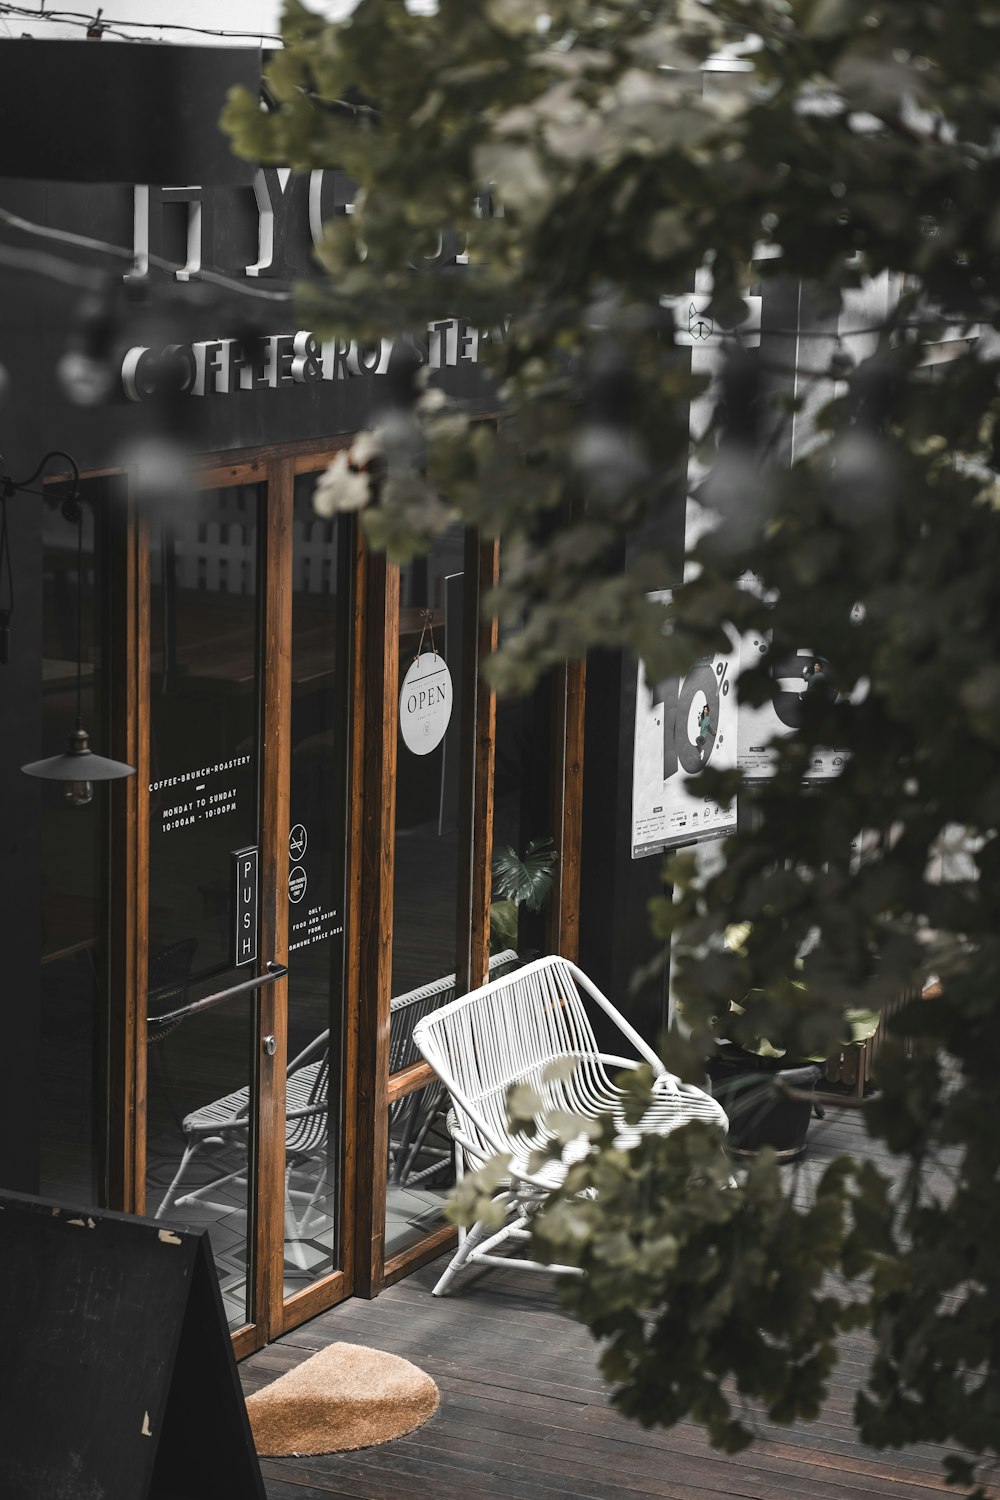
{"points": [[305, 454], [375, 965], [122, 529], [569, 699], [312, 459], [408, 1080], [314, 1299], [323, 1294], [140, 949], [525, 1411], [592, 1472], [426, 1250], [402, 1475], [484, 770], [216, 475], [354, 886], [467, 736], [246, 1341], [274, 530]]}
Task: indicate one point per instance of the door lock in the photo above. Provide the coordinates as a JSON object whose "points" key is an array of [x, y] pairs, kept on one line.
{"points": [[270, 1045]]}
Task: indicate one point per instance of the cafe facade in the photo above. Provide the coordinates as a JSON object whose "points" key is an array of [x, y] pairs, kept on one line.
{"points": [[213, 965]]}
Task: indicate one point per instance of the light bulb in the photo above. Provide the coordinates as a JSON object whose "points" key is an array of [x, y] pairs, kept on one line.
{"points": [[79, 793], [84, 379]]}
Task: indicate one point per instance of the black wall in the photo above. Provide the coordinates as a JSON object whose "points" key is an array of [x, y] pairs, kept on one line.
{"points": [[40, 317], [20, 854]]}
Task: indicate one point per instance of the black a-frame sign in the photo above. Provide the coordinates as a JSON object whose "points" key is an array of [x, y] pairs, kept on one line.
{"points": [[117, 1376]]}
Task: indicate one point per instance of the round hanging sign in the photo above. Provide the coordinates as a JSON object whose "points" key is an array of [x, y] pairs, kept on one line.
{"points": [[425, 703]]}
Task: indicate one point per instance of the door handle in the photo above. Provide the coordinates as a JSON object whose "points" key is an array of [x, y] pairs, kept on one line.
{"points": [[273, 971], [270, 1045]]}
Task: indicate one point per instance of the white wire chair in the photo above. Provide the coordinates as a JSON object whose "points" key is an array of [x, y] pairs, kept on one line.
{"points": [[509, 1032], [220, 1129], [414, 1118], [224, 1124]]}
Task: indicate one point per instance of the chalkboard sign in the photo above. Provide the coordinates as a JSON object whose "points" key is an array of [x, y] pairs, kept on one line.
{"points": [[119, 1381]]}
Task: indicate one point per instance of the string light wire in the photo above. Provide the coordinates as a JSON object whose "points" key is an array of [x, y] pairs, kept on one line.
{"points": [[69, 271], [99, 21]]}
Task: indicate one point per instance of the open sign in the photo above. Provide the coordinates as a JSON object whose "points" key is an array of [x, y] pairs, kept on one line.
{"points": [[425, 703]]}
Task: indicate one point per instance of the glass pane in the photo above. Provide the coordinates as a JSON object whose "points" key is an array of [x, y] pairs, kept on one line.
{"points": [[204, 723], [199, 1157], [522, 817], [321, 573], [421, 1168], [64, 1127], [425, 895], [203, 808]]}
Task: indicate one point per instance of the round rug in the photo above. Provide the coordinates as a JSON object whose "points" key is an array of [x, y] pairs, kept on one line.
{"points": [[346, 1396]]}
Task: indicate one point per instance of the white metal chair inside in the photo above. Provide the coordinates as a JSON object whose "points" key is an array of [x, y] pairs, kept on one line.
{"points": [[225, 1124], [220, 1129], [509, 1032]]}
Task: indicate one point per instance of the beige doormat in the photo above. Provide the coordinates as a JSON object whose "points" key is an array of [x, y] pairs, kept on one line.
{"points": [[346, 1396]]}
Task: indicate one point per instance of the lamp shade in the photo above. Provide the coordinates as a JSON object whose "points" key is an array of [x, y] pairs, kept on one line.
{"points": [[139, 112], [78, 763]]}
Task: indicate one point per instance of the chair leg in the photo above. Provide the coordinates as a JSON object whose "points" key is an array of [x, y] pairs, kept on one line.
{"points": [[465, 1249], [293, 1231], [168, 1197], [417, 1146]]}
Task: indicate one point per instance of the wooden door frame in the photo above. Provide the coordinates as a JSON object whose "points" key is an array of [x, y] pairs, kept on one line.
{"points": [[376, 1089], [291, 1312], [368, 1089], [272, 1005], [276, 468], [126, 873], [568, 712]]}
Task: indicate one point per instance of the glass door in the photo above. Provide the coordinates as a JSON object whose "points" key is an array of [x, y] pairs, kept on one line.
{"points": [[205, 686], [245, 825]]}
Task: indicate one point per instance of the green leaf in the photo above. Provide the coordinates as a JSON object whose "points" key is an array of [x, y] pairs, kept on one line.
{"points": [[528, 881]]}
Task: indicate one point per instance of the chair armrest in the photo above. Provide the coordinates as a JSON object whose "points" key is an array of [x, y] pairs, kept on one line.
{"points": [[308, 1111], [661, 1078], [316, 1045]]}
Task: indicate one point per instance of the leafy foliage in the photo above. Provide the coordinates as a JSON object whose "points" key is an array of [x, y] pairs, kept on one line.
{"points": [[588, 166], [520, 882], [739, 1024], [528, 881]]}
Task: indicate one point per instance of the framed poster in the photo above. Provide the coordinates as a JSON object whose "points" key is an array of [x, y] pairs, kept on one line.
{"points": [[795, 675], [683, 725]]}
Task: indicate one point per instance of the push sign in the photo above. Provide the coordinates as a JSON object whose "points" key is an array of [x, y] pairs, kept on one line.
{"points": [[244, 906], [425, 703]]}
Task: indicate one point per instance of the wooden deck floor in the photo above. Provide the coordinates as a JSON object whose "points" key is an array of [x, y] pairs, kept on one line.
{"points": [[524, 1414]]}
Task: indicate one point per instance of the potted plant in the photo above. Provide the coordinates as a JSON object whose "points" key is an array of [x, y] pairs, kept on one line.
{"points": [[519, 882], [760, 1086]]}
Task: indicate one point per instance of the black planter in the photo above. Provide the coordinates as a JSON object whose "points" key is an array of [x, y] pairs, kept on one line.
{"points": [[759, 1114]]}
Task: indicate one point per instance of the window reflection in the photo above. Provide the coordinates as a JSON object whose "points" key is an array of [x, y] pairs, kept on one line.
{"points": [[204, 716], [421, 1171], [425, 896], [317, 852], [204, 710], [523, 819], [63, 1124], [421, 1168]]}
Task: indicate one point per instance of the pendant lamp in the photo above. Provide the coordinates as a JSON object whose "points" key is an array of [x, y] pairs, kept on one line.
{"points": [[78, 767]]}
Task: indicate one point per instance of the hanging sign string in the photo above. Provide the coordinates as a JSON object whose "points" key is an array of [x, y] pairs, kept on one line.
{"points": [[428, 625]]}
